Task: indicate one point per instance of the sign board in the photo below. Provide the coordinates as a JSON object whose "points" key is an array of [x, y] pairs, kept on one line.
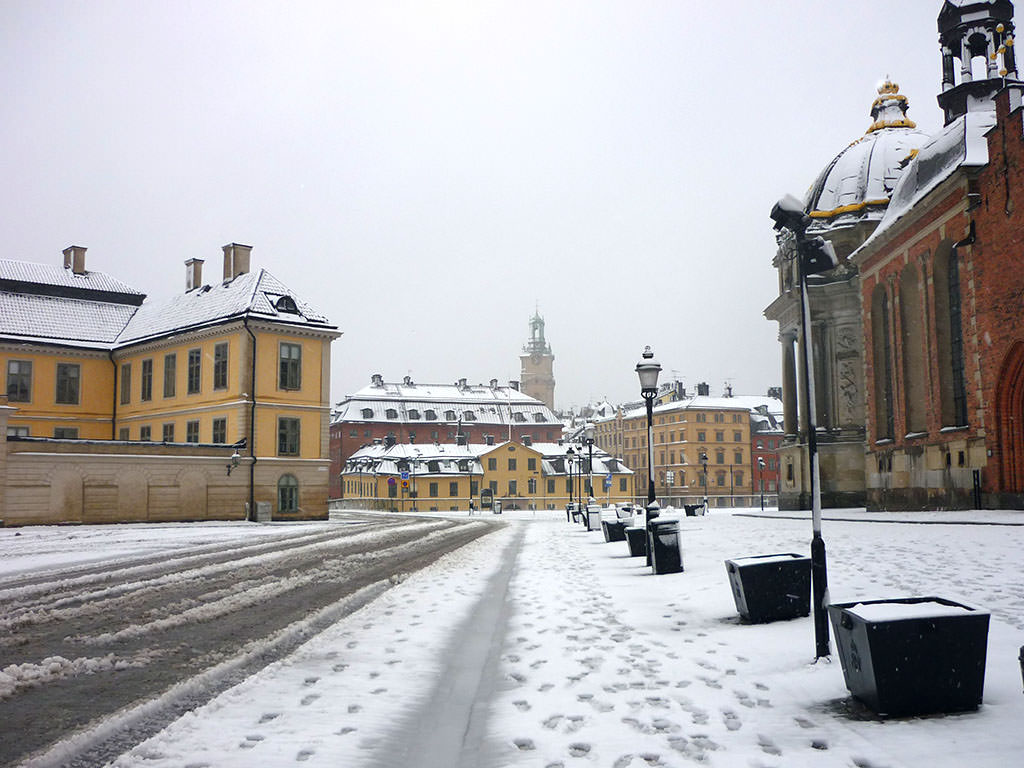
{"points": [[607, 482], [405, 483], [405, 475], [486, 498], [670, 476]]}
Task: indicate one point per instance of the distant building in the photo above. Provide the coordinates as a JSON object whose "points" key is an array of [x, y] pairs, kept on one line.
{"points": [[410, 412], [138, 405], [538, 377], [520, 475]]}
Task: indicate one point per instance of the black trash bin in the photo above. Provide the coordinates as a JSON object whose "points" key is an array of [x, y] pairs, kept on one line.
{"points": [[636, 539], [665, 546], [912, 656], [771, 587], [614, 530]]}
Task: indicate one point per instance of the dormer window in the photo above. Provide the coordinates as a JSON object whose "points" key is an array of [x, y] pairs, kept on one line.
{"points": [[367, 413], [286, 304], [449, 415], [433, 466], [414, 415], [538, 417], [391, 413], [431, 415], [469, 416], [464, 466], [518, 417]]}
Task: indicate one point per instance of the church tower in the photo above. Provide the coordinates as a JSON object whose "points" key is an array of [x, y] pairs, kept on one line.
{"points": [[538, 379], [976, 38]]}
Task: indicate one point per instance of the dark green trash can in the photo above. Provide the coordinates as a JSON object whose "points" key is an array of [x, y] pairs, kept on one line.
{"points": [[912, 656], [771, 587], [614, 530], [636, 539], [665, 546]]}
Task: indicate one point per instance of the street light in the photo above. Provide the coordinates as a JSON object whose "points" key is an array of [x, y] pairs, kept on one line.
{"points": [[760, 473], [648, 369], [569, 455], [704, 465], [813, 255], [588, 432]]}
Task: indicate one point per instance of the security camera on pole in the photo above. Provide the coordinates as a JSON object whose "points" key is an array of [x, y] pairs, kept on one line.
{"points": [[813, 255]]}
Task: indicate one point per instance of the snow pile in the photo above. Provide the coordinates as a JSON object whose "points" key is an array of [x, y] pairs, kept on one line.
{"points": [[17, 677]]}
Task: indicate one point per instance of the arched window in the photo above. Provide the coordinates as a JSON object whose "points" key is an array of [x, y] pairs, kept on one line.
{"points": [[287, 494], [518, 416], [538, 417], [915, 393], [881, 363], [391, 413], [949, 336]]}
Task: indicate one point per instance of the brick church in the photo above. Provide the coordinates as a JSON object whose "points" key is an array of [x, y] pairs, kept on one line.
{"points": [[918, 334]]}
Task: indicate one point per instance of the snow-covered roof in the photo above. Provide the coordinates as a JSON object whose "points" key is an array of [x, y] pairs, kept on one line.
{"points": [[57, 276], [960, 144], [255, 294], [56, 319]]}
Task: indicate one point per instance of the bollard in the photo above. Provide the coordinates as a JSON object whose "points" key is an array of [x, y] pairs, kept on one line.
{"points": [[1020, 658]]}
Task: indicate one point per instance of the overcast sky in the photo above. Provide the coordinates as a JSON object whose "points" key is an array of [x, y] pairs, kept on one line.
{"points": [[427, 173]]}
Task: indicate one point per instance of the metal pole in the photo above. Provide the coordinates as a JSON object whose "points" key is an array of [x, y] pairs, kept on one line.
{"points": [[590, 468], [819, 570], [649, 400]]}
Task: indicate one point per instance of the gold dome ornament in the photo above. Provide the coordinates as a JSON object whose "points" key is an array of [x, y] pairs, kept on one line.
{"points": [[1000, 28]]}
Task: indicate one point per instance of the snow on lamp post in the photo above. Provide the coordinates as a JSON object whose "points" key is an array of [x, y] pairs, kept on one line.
{"points": [[813, 255], [588, 432], [648, 369]]}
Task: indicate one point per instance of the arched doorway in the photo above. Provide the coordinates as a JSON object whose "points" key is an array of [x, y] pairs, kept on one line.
{"points": [[1010, 421]]}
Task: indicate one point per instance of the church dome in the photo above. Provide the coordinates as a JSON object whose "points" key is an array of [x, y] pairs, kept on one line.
{"points": [[857, 185]]}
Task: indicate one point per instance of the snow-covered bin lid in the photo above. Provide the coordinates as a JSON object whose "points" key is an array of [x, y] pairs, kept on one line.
{"points": [[896, 611], [783, 557]]}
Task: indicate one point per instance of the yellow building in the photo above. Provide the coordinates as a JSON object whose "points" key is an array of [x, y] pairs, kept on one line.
{"points": [[445, 477], [240, 362], [686, 430]]}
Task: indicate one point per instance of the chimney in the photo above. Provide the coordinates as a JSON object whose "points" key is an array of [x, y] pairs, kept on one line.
{"points": [[407, 380], [236, 260], [389, 441], [514, 385], [728, 390], [703, 390], [775, 392], [526, 440], [376, 441], [377, 380], [489, 439], [74, 259], [461, 384], [193, 274], [494, 383]]}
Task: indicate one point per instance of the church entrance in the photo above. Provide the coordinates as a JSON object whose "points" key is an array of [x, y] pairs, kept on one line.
{"points": [[1010, 422]]}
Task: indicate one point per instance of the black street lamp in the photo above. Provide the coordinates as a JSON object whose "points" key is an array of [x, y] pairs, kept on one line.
{"points": [[813, 255], [760, 474], [569, 456], [588, 432], [648, 369], [704, 466]]}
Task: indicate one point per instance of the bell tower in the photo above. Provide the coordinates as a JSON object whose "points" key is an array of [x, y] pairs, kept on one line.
{"points": [[976, 40], [537, 372]]}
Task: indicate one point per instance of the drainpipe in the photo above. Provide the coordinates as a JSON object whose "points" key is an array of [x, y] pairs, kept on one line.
{"points": [[113, 417], [252, 425]]}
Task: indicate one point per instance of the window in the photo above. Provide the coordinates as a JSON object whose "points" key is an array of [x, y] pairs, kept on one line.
{"points": [[431, 415], [531, 464], [531, 486], [719, 457], [737, 437], [738, 478], [433, 490], [68, 377], [19, 381], [124, 433], [474, 489], [192, 431], [738, 457], [367, 413], [468, 416], [539, 418], [126, 383], [195, 362], [353, 433], [453, 488], [65, 433], [719, 418], [551, 486], [701, 436], [170, 374], [287, 437], [145, 434], [290, 375], [519, 416], [17, 431], [511, 487], [511, 464], [449, 415], [220, 431], [492, 464], [168, 435], [220, 366], [412, 436], [720, 479], [288, 494], [433, 466], [147, 380], [702, 417], [719, 436], [391, 413], [414, 414], [622, 484], [392, 490], [760, 444]]}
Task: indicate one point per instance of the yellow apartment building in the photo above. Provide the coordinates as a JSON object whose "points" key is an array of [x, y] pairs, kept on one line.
{"points": [[241, 363]]}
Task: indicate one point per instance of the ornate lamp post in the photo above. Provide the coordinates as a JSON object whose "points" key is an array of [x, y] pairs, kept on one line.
{"points": [[704, 466], [588, 432], [760, 474], [569, 456], [648, 369]]}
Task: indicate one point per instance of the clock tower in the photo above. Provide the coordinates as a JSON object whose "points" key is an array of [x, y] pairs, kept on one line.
{"points": [[537, 375]]}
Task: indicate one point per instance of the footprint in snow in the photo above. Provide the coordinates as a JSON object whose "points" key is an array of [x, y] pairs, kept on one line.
{"points": [[552, 722], [767, 745], [524, 745], [307, 700], [522, 706], [731, 720], [266, 717], [304, 755], [310, 681], [579, 749]]}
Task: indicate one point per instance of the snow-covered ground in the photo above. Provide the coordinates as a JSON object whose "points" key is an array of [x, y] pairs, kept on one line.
{"points": [[557, 649]]}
